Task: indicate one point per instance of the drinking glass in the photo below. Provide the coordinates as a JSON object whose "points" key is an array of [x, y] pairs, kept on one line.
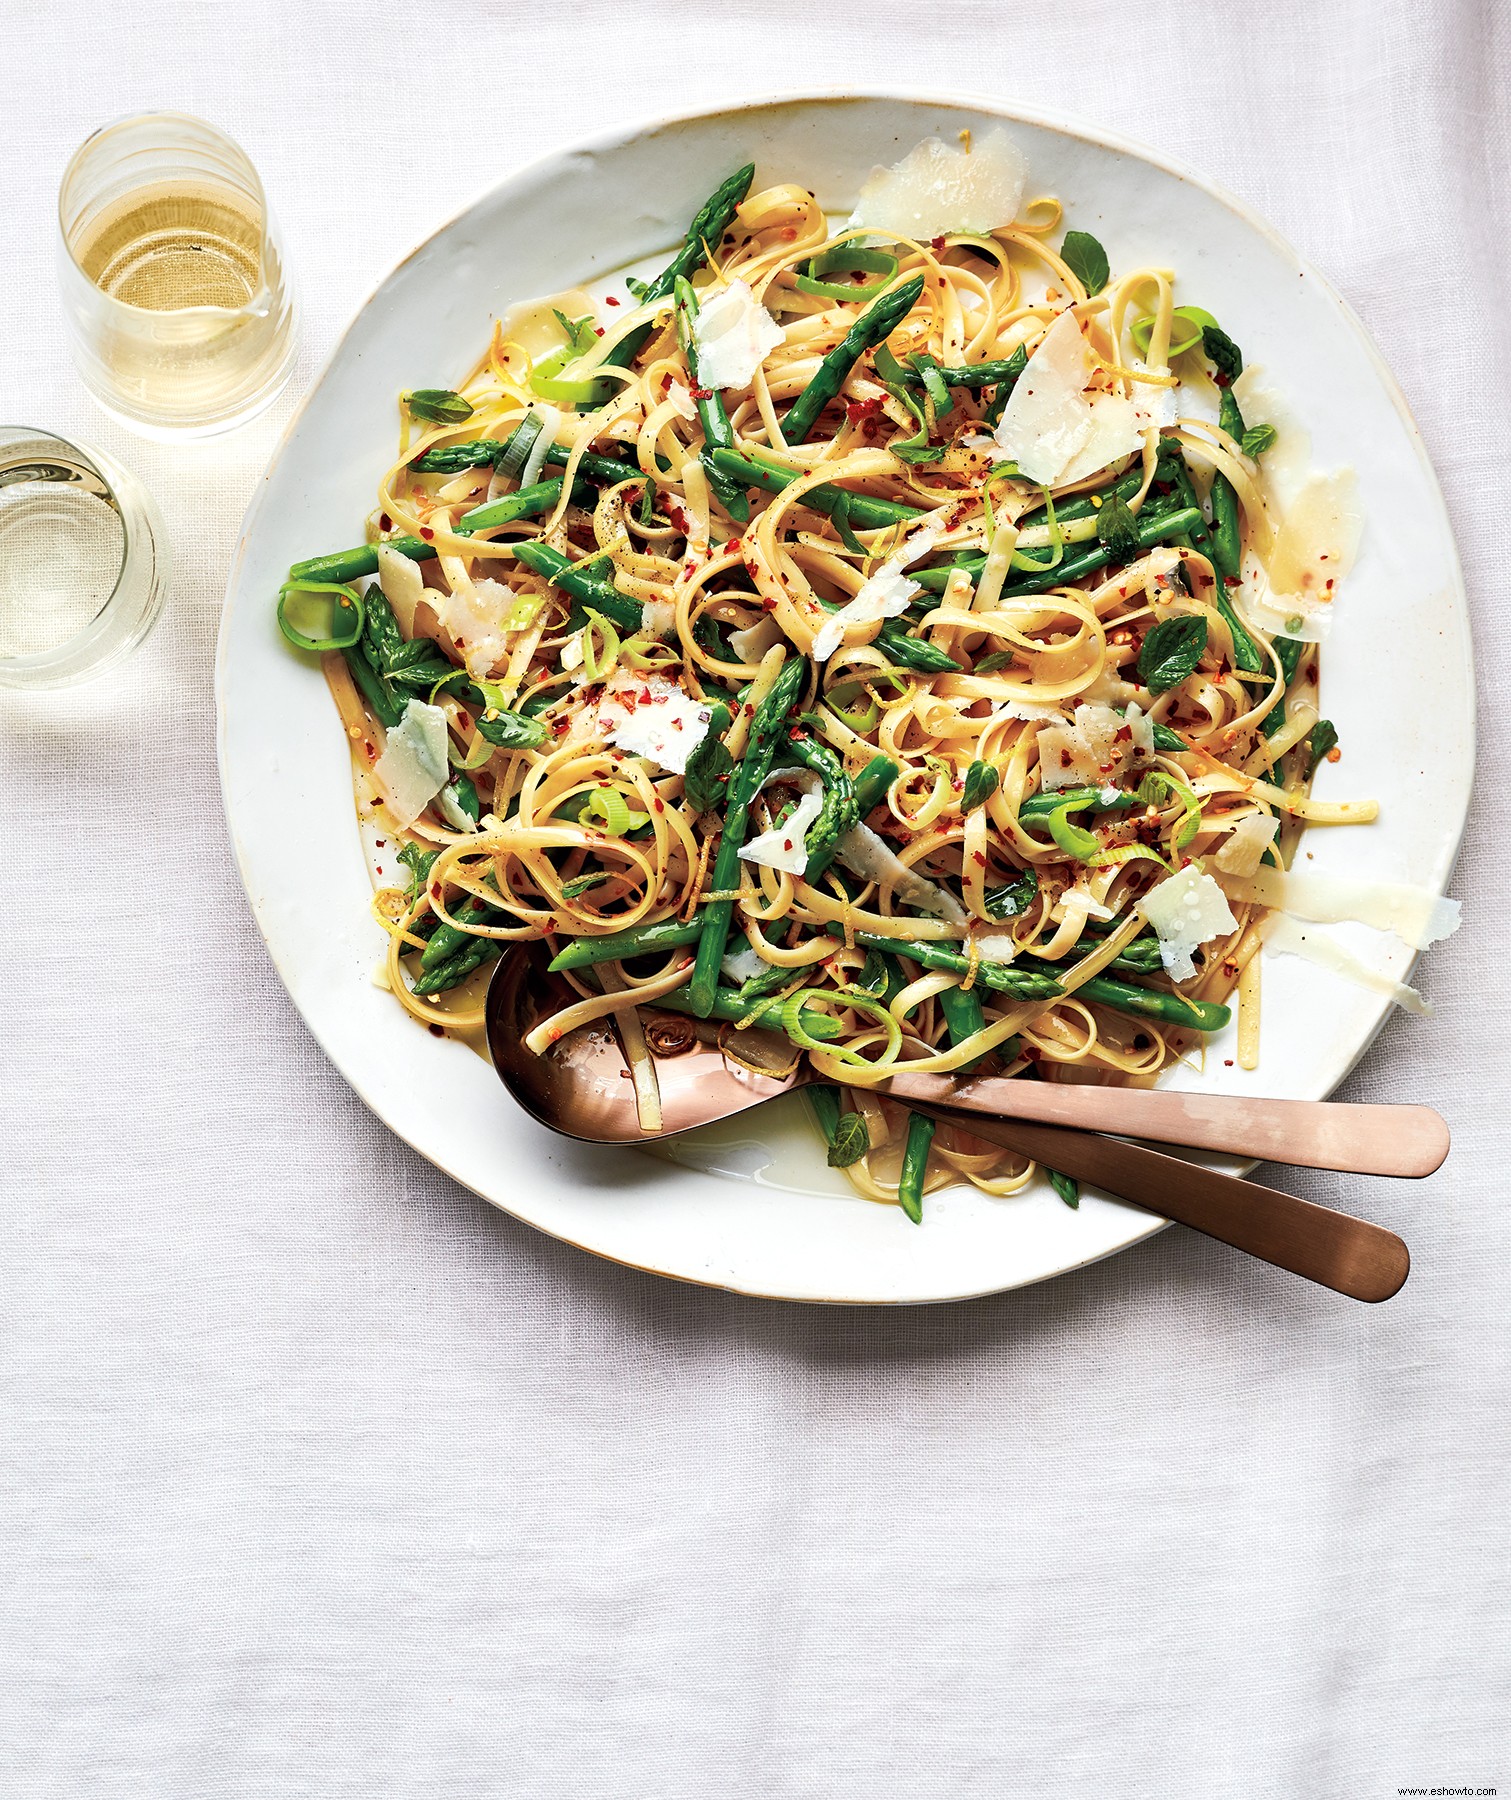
{"points": [[172, 278], [83, 560]]}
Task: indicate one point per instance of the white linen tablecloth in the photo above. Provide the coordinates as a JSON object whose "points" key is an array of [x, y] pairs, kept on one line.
{"points": [[318, 1477]]}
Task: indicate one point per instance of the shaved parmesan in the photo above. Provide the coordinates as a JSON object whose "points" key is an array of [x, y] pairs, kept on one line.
{"points": [[1413, 913], [863, 852], [751, 644], [1140, 728], [1288, 938], [1244, 847], [1088, 751], [652, 717], [743, 964], [1154, 403], [884, 596], [734, 335], [940, 187], [1186, 912], [413, 767], [1052, 428], [403, 586], [657, 617], [785, 846], [474, 614], [996, 946], [682, 400]]}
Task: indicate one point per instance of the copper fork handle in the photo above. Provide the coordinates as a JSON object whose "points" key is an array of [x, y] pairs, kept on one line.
{"points": [[1349, 1255]]}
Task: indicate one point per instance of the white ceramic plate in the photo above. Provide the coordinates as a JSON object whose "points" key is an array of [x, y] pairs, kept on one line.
{"points": [[753, 1208]]}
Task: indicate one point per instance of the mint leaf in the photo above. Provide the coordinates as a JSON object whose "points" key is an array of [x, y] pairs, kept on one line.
{"points": [[1117, 528], [418, 861], [709, 768], [1324, 738], [511, 730], [998, 659], [1013, 897], [579, 884], [1171, 651], [1257, 439], [437, 406], [851, 1141], [1086, 260], [981, 781]]}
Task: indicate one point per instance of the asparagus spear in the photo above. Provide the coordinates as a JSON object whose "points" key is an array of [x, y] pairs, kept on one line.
{"points": [[527, 503], [727, 1005], [963, 1018], [451, 459], [877, 323], [709, 224], [744, 785], [915, 1162], [865, 510], [586, 589], [974, 375], [1097, 556], [1001, 978], [456, 968], [718, 433], [618, 946], [840, 809]]}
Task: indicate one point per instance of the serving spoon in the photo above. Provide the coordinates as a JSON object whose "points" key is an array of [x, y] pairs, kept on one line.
{"points": [[581, 1087]]}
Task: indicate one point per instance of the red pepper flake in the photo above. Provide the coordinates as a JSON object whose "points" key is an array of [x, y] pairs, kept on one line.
{"points": [[1335, 754], [660, 805], [367, 746], [1227, 1062], [936, 244], [558, 726], [701, 393], [384, 522], [597, 331], [732, 547], [978, 859], [437, 1031], [863, 409], [609, 300], [786, 843], [463, 719], [435, 890], [426, 533], [382, 843]]}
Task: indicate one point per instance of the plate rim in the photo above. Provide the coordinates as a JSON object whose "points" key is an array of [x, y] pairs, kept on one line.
{"points": [[619, 136]]}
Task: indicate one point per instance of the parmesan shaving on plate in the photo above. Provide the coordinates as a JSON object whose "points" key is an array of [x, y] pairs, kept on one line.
{"points": [[785, 846], [403, 585], [1089, 751], [681, 399], [652, 717], [1186, 911], [885, 595], [414, 767], [1317, 536], [475, 615], [1243, 849], [864, 854], [657, 617], [940, 187], [742, 964], [1287, 937], [734, 335], [1052, 428], [1415, 914], [751, 644]]}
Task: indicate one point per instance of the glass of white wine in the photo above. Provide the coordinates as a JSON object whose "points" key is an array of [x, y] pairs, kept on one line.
{"points": [[83, 560], [172, 277]]}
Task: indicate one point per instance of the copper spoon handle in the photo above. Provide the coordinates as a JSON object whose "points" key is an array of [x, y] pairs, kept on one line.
{"points": [[1318, 1134], [1349, 1255]]}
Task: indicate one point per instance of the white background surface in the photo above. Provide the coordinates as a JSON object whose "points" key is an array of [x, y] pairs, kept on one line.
{"points": [[318, 1477]]}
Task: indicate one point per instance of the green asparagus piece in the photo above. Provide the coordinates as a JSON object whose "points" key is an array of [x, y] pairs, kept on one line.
{"points": [[915, 1162], [974, 375], [870, 789], [877, 323], [963, 1017], [1081, 799], [585, 588], [1152, 1003], [448, 939], [913, 653], [725, 1004], [718, 433], [744, 785], [386, 705], [1226, 547], [1096, 556], [619, 946], [348, 565], [709, 224], [456, 968], [452, 459], [840, 809], [866, 511], [824, 1101], [1001, 978]]}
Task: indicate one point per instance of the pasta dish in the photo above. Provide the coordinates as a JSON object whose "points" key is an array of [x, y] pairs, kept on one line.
{"points": [[895, 640]]}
